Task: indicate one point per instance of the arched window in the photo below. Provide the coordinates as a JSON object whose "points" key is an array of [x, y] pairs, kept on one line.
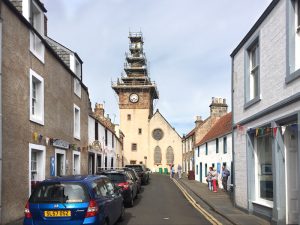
{"points": [[170, 155], [157, 155]]}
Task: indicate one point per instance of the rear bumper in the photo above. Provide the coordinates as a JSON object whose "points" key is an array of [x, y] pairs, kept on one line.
{"points": [[96, 220]]}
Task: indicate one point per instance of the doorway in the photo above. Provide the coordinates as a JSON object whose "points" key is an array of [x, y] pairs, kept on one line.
{"points": [[292, 174], [60, 162], [76, 163], [91, 163]]}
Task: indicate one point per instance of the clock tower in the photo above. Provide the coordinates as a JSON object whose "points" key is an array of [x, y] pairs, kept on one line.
{"points": [[136, 95]]}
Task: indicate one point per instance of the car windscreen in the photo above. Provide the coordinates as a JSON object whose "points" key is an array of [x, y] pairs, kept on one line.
{"points": [[116, 177], [59, 193]]}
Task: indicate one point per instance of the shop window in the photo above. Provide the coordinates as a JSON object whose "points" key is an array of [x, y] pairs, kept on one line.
{"points": [[264, 174]]}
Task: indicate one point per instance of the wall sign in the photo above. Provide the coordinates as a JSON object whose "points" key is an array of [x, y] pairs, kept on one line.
{"points": [[61, 144]]}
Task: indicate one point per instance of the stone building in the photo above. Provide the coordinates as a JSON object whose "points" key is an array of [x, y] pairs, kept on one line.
{"points": [[105, 145], [218, 108], [44, 107], [266, 114], [149, 138]]}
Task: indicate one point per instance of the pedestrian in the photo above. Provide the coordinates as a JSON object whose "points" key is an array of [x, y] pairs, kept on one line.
{"points": [[179, 170], [225, 175], [172, 171], [208, 178], [214, 180]]}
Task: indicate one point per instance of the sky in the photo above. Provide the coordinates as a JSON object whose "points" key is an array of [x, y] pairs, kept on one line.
{"points": [[187, 43]]}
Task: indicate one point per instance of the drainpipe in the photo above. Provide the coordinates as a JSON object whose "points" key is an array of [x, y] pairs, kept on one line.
{"points": [[232, 135], [0, 118]]}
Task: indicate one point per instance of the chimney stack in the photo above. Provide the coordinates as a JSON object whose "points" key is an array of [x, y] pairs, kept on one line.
{"points": [[198, 121], [218, 107], [99, 110]]}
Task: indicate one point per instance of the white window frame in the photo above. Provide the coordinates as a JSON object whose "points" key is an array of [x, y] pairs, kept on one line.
{"points": [[77, 87], [41, 167], [62, 152], [76, 120], [75, 66], [39, 117], [78, 154], [37, 47]]}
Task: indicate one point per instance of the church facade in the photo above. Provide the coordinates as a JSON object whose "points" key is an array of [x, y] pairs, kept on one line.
{"points": [[148, 137]]}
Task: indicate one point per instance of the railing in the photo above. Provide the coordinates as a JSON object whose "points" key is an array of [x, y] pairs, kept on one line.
{"points": [[129, 66], [137, 56]]}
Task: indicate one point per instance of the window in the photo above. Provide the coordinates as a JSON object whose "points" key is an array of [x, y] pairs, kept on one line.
{"points": [[106, 137], [128, 116], [197, 169], [112, 140], [253, 71], [76, 122], [198, 151], [112, 163], [157, 155], [76, 163], [264, 175], [217, 145], [36, 98], [293, 65], [133, 147], [77, 87], [170, 156], [36, 165], [132, 162], [225, 145], [140, 130], [78, 68], [37, 21], [206, 148]]}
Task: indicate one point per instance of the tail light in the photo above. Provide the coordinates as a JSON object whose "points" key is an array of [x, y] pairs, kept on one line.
{"points": [[124, 185], [27, 211], [92, 209]]}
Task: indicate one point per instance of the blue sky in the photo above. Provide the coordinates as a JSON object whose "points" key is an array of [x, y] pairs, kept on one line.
{"points": [[187, 42]]}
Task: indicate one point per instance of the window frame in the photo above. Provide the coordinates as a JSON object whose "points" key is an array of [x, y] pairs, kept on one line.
{"points": [[73, 159], [134, 147], [292, 31], [77, 87], [253, 43], [40, 116], [76, 129], [225, 145], [217, 145]]}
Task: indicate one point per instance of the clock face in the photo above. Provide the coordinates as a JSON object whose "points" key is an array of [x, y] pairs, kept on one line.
{"points": [[134, 98]]}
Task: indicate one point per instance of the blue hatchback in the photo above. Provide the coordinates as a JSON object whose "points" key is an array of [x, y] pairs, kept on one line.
{"points": [[75, 200]]}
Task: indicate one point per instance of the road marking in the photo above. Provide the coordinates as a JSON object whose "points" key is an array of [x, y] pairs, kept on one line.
{"points": [[207, 215], [166, 218]]}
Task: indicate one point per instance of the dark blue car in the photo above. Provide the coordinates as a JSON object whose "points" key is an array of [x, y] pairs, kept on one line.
{"points": [[75, 200]]}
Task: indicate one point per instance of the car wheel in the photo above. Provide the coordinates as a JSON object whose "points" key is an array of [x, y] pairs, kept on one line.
{"points": [[121, 218], [130, 203], [106, 222]]}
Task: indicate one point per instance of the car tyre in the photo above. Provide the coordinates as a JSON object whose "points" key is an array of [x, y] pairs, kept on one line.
{"points": [[130, 203], [121, 218]]}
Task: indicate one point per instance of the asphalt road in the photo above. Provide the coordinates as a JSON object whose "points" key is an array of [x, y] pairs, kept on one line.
{"points": [[162, 203]]}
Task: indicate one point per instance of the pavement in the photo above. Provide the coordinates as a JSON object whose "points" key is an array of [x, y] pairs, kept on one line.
{"points": [[219, 202]]}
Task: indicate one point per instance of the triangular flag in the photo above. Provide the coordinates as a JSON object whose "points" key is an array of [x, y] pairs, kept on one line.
{"points": [[275, 131], [257, 132]]}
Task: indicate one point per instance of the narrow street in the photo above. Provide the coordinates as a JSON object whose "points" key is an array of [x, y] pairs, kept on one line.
{"points": [[161, 202]]}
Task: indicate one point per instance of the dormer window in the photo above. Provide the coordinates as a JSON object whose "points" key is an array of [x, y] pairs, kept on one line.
{"points": [[75, 65]]}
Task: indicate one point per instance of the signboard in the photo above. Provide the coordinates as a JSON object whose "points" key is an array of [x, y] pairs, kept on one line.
{"points": [[61, 144], [52, 166]]}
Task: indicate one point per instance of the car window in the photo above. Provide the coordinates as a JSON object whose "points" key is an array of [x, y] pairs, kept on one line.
{"points": [[116, 177], [129, 175], [59, 193], [110, 187]]}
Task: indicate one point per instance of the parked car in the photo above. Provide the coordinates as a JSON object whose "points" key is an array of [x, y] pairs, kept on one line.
{"points": [[75, 200], [124, 181], [135, 177], [141, 170]]}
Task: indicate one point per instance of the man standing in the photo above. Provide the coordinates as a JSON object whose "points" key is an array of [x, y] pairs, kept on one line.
{"points": [[179, 170], [225, 175]]}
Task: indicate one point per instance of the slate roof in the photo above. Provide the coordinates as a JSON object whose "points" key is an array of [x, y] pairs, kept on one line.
{"points": [[220, 128]]}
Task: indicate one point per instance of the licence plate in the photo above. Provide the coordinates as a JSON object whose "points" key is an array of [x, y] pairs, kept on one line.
{"points": [[57, 213]]}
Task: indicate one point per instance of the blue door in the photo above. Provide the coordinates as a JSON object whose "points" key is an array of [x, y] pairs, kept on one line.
{"points": [[201, 172]]}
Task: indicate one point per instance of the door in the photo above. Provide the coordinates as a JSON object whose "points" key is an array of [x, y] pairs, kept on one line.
{"points": [[60, 162], [91, 163], [76, 163], [99, 162], [292, 174], [201, 172]]}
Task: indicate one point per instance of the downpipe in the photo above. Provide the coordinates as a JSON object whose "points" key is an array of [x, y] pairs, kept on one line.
{"points": [[0, 118]]}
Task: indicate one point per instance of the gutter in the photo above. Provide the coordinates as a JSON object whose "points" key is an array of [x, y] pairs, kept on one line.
{"points": [[0, 118]]}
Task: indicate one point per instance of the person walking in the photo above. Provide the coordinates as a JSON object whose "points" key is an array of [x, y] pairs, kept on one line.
{"points": [[214, 180], [208, 178], [179, 170], [225, 175], [172, 172]]}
